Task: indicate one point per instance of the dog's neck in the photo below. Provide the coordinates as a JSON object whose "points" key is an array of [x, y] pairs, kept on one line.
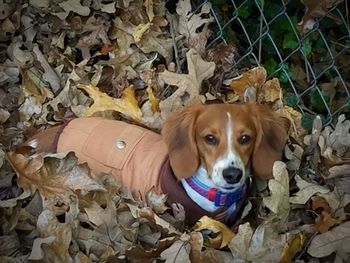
{"points": [[200, 188]]}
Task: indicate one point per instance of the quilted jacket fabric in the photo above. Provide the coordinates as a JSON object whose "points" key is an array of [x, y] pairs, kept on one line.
{"points": [[131, 153]]}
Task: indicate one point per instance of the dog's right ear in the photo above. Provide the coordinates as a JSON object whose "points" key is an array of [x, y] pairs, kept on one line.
{"points": [[179, 136]]}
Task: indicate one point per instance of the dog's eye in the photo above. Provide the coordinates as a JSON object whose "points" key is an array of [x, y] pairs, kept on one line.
{"points": [[210, 139], [244, 139]]}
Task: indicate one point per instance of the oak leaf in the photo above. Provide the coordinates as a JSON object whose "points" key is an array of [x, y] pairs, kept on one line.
{"points": [[335, 240], [188, 84], [127, 105], [278, 201], [56, 179], [306, 191]]}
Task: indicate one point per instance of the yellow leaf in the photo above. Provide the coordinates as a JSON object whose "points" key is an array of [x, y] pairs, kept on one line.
{"points": [[222, 232], [102, 102], [292, 247], [152, 99], [140, 30], [149, 9]]}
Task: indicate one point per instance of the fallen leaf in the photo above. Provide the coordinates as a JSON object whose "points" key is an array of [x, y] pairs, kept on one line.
{"points": [[198, 254], [317, 9], [57, 237], [72, 6], [339, 138], [339, 170], [4, 116], [254, 77], [55, 179], [263, 245], [140, 30], [178, 252], [318, 202], [152, 99], [296, 130], [335, 240], [49, 75], [278, 201], [306, 191], [270, 91], [139, 254], [293, 153], [324, 222], [292, 247], [194, 26], [188, 84], [127, 104], [222, 233], [156, 201]]}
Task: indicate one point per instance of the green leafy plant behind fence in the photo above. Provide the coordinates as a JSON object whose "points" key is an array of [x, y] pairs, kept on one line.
{"points": [[305, 44]]}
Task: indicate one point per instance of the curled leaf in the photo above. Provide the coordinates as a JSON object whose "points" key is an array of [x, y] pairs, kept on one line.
{"points": [[222, 233]]}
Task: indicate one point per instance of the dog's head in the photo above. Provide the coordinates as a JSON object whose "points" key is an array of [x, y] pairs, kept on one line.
{"points": [[225, 139]]}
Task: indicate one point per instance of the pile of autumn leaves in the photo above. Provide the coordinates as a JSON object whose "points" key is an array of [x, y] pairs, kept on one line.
{"points": [[58, 210]]}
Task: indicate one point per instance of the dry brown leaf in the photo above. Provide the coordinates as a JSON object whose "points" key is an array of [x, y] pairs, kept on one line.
{"points": [[193, 26], [293, 153], [33, 85], [270, 91], [222, 233], [49, 74], [315, 9], [57, 237], [178, 252], [324, 222], [337, 140], [254, 77], [296, 130], [189, 84], [139, 254], [336, 240], [156, 201], [4, 116], [319, 202], [127, 105], [55, 179], [263, 245], [278, 201], [152, 99], [72, 6], [197, 254], [306, 191]]}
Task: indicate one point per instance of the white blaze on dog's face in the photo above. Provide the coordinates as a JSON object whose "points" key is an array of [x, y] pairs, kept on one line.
{"points": [[225, 143]]}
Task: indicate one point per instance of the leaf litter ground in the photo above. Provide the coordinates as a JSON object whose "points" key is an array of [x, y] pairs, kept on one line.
{"points": [[136, 61]]}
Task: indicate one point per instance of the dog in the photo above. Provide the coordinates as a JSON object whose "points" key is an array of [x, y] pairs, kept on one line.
{"points": [[204, 158]]}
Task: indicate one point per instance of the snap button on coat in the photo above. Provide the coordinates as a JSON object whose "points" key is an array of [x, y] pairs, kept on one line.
{"points": [[120, 144]]}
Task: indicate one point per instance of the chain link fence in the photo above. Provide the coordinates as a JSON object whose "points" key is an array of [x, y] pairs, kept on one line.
{"points": [[308, 49]]}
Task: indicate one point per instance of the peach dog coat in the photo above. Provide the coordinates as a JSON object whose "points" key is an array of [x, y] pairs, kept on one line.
{"points": [[131, 153]]}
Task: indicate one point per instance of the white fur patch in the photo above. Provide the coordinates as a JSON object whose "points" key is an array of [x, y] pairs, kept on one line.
{"points": [[231, 158]]}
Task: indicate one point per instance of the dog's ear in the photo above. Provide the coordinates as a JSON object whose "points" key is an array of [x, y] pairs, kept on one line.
{"points": [[272, 134], [179, 136]]}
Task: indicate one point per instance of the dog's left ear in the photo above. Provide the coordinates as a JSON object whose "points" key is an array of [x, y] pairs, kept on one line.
{"points": [[179, 136], [272, 134]]}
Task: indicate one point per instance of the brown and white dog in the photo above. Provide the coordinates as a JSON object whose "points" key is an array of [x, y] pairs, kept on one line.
{"points": [[203, 160]]}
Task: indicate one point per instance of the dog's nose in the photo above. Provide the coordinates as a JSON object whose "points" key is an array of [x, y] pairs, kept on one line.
{"points": [[232, 175]]}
